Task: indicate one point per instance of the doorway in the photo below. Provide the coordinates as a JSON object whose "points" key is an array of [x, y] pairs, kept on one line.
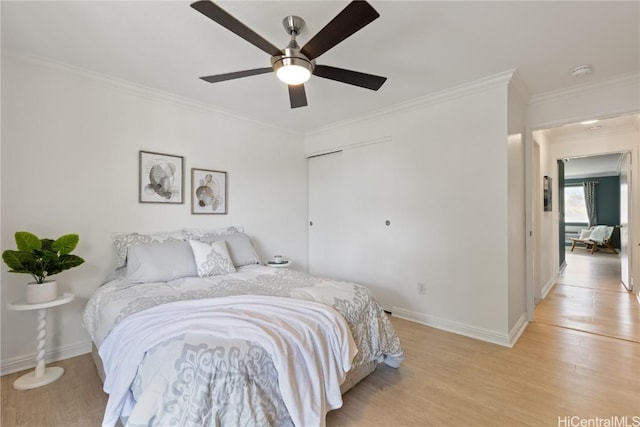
{"points": [[594, 190], [588, 294]]}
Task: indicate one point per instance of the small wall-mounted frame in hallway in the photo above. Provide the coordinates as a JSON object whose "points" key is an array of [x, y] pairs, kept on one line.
{"points": [[546, 193]]}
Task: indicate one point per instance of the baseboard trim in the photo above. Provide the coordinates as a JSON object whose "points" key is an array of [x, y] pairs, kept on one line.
{"points": [[562, 267], [518, 329], [460, 328], [28, 361], [547, 288]]}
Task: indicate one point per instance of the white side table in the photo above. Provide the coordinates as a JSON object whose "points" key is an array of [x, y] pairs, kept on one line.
{"points": [[42, 375]]}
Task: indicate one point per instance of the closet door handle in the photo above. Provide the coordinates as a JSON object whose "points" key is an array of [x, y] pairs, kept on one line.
{"points": [[310, 223]]}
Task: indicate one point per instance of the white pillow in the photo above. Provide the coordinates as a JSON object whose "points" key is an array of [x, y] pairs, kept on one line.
{"points": [[122, 241], [584, 234], [598, 233], [160, 262], [211, 258]]}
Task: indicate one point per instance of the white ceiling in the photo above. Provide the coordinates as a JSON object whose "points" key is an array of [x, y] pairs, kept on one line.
{"points": [[593, 166], [422, 47]]}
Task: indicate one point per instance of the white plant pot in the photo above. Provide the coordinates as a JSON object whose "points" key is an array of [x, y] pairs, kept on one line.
{"points": [[42, 292]]}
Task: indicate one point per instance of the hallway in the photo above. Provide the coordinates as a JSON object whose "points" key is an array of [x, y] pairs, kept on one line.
{"points": [[589, 297]]}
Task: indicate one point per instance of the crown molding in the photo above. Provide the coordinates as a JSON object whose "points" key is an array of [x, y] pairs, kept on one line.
{"points": [[519, 87], [489, 82], [626, 79], [590, 135], [136, 89]]}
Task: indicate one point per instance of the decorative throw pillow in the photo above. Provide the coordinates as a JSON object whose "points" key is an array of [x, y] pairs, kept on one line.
{"points": [[122, 241], [211, 258], [585, 234], [240, 248], [198, 233], [160, 262]]}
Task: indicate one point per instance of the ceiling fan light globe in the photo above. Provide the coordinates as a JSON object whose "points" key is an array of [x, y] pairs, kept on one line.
{"points": [[292, 68], [293, 74]]}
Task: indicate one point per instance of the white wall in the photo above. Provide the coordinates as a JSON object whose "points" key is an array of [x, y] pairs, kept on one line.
{"points": [[450, 206], [517, 301], [517, 233], [70, 143], [549, 265]]}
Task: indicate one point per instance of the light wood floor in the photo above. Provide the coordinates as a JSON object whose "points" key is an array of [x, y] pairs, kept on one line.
{"points": [[446, 380], [590, 297]]}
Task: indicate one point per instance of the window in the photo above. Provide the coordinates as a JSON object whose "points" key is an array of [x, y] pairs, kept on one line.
{"points": [[575, 209]]}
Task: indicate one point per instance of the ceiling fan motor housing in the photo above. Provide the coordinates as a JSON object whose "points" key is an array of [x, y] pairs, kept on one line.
{"points": [[291, 55]]}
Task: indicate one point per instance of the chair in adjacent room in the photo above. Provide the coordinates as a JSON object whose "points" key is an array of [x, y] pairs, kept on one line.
{"points": [[595, 237]]}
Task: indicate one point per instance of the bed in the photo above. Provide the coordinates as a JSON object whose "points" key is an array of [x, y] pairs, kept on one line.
{"points": [[194, 331]]}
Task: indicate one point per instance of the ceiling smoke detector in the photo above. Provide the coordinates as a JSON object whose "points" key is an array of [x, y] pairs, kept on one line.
{"points": [[581, 70]]}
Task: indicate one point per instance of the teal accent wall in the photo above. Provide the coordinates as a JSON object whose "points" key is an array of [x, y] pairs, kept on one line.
{"points": [[607, 202]]}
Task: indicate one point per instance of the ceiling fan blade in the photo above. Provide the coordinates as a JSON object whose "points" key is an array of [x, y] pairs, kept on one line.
{"points": [[354, 17], [219, 15], [297, 96], [236, 75], [368, 81]]}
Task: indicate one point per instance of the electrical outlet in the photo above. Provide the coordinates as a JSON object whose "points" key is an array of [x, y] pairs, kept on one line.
{"points": [[422, 288]]}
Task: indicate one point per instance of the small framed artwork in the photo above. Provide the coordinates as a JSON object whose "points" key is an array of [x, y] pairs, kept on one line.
{"points": [[208, 192], [161, 178], [546, 193]]}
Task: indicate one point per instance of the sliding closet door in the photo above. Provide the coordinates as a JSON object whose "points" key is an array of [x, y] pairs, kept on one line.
{"points": [[369, 201], [325, 215], [351, 199]]}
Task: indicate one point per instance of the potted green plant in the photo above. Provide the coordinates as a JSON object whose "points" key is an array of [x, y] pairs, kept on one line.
{"points": [[42, 258]]}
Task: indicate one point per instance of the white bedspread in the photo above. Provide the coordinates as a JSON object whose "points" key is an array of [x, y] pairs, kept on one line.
{"points": [[310, 344]]}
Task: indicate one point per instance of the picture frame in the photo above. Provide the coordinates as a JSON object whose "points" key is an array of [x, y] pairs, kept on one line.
{"points": [[546, 193], [160, 178], [208, 191]]}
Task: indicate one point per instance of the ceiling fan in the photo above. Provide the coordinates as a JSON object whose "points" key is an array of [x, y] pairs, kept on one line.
{"points": [[294, 65]]}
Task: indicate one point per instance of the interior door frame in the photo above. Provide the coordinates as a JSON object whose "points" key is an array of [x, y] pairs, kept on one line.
{"points": [[531, 194], [562, 261], [626, 231]]}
